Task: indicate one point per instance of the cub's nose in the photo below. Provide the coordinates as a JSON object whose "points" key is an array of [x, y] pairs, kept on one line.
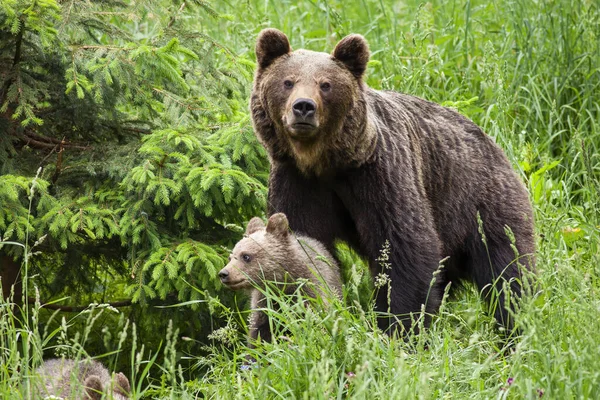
{"points": [[223, 275], [304, 108]]}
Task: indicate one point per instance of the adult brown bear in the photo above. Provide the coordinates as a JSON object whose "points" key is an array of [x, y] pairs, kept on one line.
{"points": [[366, 166]]}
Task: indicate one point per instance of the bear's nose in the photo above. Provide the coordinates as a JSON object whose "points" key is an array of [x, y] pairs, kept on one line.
{"points": [[304, 108], [223, 275]]}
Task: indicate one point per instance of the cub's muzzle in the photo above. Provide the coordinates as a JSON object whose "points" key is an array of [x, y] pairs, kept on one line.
{"points": [[224, 275]]}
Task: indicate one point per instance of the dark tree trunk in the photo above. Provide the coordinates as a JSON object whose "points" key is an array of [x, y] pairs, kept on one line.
{"points": [[10, 276]]}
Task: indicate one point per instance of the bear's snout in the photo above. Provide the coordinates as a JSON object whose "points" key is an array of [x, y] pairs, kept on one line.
{"points": [[232, 277], [224, 275], [302, 118], [304, 108]]}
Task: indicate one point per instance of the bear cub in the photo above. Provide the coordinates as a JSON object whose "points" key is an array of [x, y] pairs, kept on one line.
{"points": [[56, 380], [271, 254]]}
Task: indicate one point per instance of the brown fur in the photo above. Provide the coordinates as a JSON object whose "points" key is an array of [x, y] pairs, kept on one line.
{"points": [[307, 70], [371, 166], [59, 375], [272, 254]]}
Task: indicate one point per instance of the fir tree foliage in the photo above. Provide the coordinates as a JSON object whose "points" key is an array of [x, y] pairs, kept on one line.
{"points": [[138, 120]]}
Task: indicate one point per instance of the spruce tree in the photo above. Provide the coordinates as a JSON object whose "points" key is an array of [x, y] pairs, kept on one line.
{"points": [[126, 150]]}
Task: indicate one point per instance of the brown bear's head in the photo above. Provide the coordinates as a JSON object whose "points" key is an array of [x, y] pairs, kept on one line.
{"points": [[259, 255], [307, 104]]}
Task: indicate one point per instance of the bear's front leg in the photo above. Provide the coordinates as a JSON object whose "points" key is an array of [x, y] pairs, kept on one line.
{"points": [[259, 326], [259, 321], [397, 235]]}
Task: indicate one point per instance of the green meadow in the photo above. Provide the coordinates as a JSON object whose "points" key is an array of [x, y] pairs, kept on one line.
{"points": [[129, 168]]}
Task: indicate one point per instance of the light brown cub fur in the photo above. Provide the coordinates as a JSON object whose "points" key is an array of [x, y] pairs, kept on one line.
{"points": [[57, 379], [271, 254]]}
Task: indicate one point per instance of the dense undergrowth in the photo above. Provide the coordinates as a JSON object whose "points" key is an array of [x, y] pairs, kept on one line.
{"points": [[529, 74]]}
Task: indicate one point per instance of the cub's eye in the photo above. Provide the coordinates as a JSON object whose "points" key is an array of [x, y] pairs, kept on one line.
{"points": [[247, 258], [326, 86], [288, 84]]}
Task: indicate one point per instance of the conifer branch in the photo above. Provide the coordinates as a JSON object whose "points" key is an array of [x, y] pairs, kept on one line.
{"points": [[41, 143], [59, 159], [116, 304], [174, 17], [16, 61], [52, 140], [163, 114], [18, 45], [143, 131], [97, 47]]}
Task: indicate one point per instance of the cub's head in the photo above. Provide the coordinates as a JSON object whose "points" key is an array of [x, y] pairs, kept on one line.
{"points": [[259, 255], [308, 96], [95, 387]]}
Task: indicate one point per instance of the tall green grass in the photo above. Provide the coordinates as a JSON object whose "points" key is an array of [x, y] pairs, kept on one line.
{"points": [[529, 74]]}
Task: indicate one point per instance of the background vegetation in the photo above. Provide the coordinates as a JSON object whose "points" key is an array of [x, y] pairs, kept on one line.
{"points": [[128, 168]]}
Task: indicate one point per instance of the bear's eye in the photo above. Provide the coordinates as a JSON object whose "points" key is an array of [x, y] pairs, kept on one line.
{"points": [[246, 257], [326, 86], [288, 84]]}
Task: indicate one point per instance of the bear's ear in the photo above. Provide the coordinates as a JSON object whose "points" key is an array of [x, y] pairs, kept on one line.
{"points": [[270, 45], [121, 384], [353, 51], [254, 225], [278, 225], [93, 387]]}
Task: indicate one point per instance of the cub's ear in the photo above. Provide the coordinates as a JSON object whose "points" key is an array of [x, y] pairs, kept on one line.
{"points": [[278, 225], [353, 51], [254, 225], [121, 384], [270, 45], [93, 387]]}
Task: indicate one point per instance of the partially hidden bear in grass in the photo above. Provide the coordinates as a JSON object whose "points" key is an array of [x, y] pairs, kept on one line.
{"points": [[271, 254], [85, 379], [370, 167]]}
